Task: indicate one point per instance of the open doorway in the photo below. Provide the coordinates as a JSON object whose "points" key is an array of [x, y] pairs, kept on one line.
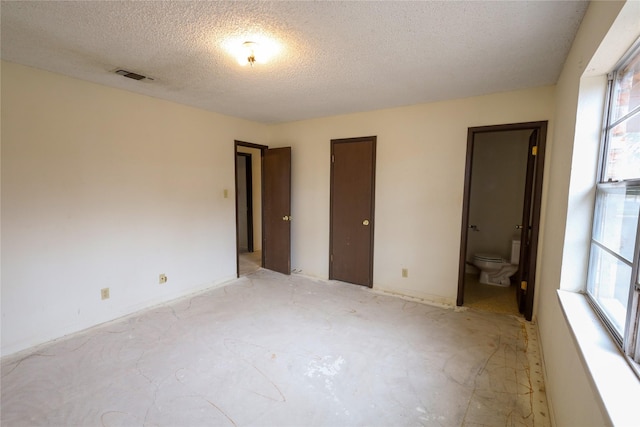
{"points": [[244, 179], [501, 215], [263, 208], [248, 169]]}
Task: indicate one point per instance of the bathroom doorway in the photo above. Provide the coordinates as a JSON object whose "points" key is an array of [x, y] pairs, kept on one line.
{"points": [[248, 170], [501, 214], [270, 189]]}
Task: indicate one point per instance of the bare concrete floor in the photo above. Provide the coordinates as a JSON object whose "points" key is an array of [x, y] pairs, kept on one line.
{"points": [[274, 350]]}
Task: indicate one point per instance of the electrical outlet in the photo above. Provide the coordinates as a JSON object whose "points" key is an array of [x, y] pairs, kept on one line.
{"points": [[104, 293], [405, 272], [163, 279]]}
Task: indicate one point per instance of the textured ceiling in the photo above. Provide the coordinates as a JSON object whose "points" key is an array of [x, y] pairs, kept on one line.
{"points": [[335, 57]]}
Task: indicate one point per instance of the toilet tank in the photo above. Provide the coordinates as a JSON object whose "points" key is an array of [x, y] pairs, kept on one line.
{"points": [[515, 251]]}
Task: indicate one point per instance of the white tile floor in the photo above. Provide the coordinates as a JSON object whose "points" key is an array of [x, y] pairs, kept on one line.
{"points": [[274, 350]]}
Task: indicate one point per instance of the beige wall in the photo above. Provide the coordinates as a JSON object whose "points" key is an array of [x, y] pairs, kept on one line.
{"points": [[569, 202], [105, 188], [419, 185]]}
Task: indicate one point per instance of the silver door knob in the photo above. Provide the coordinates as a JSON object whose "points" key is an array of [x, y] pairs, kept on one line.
{"points": [[365, 222], [286, 218]]}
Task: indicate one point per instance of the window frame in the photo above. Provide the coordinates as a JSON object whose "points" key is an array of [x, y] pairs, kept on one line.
{"points": [[629, 340]]}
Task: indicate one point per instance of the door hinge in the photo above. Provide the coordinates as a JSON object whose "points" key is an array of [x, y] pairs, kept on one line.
{"points": [[331, 257], [333, 158], [523, 285], [534, 150]]}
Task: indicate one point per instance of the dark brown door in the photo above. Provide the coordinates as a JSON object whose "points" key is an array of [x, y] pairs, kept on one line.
{"points": [[352, 208], [538, 138], [525, 224], [276, 205]]}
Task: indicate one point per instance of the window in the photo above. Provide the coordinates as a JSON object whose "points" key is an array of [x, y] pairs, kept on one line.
{"points": [[613, 285]]}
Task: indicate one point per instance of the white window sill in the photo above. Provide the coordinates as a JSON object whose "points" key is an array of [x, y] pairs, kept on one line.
{"points": [[615, 381]]}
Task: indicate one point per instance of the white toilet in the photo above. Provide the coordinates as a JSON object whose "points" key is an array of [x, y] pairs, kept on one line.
{"points": [[495, 270]]}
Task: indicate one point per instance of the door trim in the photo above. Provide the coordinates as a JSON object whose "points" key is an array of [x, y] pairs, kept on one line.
{"points": [[236, 144], [373, 201], [541, 126]]}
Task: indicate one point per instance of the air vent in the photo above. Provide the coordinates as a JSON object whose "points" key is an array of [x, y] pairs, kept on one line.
{"points": [[131, 75]]}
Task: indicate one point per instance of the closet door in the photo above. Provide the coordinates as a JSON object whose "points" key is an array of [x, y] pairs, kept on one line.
{"points": [[352, 210]]}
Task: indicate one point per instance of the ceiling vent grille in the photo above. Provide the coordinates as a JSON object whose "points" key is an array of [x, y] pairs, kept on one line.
{"points": [[131, 75]]}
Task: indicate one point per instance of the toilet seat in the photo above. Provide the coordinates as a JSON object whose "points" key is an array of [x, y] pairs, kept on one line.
{"points": [[488, 258]]}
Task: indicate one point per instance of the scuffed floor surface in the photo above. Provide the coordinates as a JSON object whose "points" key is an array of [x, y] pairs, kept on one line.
{"points": [[274, 350]]}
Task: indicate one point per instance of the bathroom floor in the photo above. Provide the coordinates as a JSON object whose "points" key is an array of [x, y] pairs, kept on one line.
{"points": [[249, 262], [275, 350], [491, 298]]}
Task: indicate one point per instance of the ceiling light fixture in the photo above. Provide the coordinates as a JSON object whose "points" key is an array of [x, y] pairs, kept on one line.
{"points": [[250, 51], [252, 48]]}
